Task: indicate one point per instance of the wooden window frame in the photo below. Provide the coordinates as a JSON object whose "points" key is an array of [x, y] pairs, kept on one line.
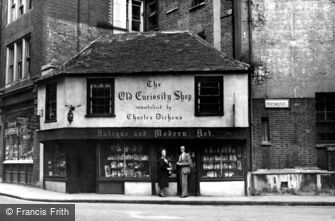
{"points": [[10, 64], [50, 97], [89, 110], [27, 52], [152, 15], [18, 60], [130, 16], [197, 111]]}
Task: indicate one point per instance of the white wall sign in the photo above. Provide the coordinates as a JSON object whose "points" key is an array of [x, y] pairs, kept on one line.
{"points": [[277, 103]]}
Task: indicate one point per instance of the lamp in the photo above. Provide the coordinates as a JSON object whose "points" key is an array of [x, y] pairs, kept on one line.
{"points": [[70, 113]]}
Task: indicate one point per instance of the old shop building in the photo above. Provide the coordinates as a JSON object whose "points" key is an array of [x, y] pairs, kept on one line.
{"points": [[109, 110]]}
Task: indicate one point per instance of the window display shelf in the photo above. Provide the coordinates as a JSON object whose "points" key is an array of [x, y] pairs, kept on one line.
{"points": [[18, 162], [222, 161], [124, 161]]}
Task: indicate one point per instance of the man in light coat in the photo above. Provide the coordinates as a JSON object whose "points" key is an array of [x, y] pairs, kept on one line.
{"points": [[184, 163]]}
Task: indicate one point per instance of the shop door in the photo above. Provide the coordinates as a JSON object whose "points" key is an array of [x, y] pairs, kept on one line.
{"points": [[193, 178], [81, 169]]}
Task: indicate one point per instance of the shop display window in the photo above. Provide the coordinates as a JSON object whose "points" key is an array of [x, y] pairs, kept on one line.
{"points": [[19, 129], [222, 161], [55, 161], [124, 161]]}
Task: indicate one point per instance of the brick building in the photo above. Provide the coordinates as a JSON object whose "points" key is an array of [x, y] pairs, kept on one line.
{"points": [[34, 34], [291, 47]]}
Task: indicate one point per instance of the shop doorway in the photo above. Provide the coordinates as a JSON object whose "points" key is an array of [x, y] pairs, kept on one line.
{"points": [[81, 168]]}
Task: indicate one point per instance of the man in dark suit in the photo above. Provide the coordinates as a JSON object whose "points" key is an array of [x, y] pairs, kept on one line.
{"points": [[184, 163]]}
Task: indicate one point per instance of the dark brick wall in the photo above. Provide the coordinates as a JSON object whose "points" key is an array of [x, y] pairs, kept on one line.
{"points": [[197, 20], [71, 24], [55, 33], [292, 135]]}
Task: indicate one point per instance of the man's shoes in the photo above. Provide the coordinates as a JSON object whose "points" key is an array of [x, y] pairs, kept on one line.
{"points": [[184, 196], [162, 195]]}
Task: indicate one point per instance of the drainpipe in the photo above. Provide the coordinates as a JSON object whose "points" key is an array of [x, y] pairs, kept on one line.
{"points": [[217, 24], [78, 25], [250, 84]]}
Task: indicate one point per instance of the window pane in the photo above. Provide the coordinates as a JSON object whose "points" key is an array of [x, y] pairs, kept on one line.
{"points": [[51, 102], [265, 130], [21, 8], [27, 53], [325, 115], [124, 160], [19, 54], [136, 16], [10, 64], [101, 97], [55, 160], [209, 95], [13, 11], [222, 161]]}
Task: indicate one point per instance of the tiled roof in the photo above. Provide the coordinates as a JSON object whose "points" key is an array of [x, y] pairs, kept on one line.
{"points": [[149, 52]]}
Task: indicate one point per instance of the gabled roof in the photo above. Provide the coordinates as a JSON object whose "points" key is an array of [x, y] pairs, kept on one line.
{"points": [[150, 52]]}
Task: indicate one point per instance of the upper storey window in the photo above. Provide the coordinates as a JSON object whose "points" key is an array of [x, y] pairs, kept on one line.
{"points": [[18, 60], [128, 15], [325, 116], [133, 15], [208, 95], [17, 8]]}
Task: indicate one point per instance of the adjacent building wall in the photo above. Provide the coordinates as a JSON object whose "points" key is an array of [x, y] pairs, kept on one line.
{"points": [[69, 26], [212, 21], [293, 41], [58, 30]]}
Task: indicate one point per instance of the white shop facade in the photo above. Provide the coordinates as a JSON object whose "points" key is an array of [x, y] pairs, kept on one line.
{"points": [[102, 133]]}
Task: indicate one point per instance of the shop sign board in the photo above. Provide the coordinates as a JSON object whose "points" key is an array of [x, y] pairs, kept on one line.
{"points": [[277, 103], [144, 133], [153, 100]]}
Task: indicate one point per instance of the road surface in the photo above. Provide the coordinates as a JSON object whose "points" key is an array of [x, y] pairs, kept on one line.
{"points": [[139, 212]]}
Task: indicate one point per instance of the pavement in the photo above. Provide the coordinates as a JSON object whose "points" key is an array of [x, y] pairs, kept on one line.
{"points": [[41, 195]]}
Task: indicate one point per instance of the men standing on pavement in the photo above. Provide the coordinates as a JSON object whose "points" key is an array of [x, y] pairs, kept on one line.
{"points": [[184, 163]]}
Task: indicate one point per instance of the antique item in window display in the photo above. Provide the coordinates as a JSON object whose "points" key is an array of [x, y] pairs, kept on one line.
{"points": [[222, 161], [56, 163], [19, 136], [125, 161]]}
